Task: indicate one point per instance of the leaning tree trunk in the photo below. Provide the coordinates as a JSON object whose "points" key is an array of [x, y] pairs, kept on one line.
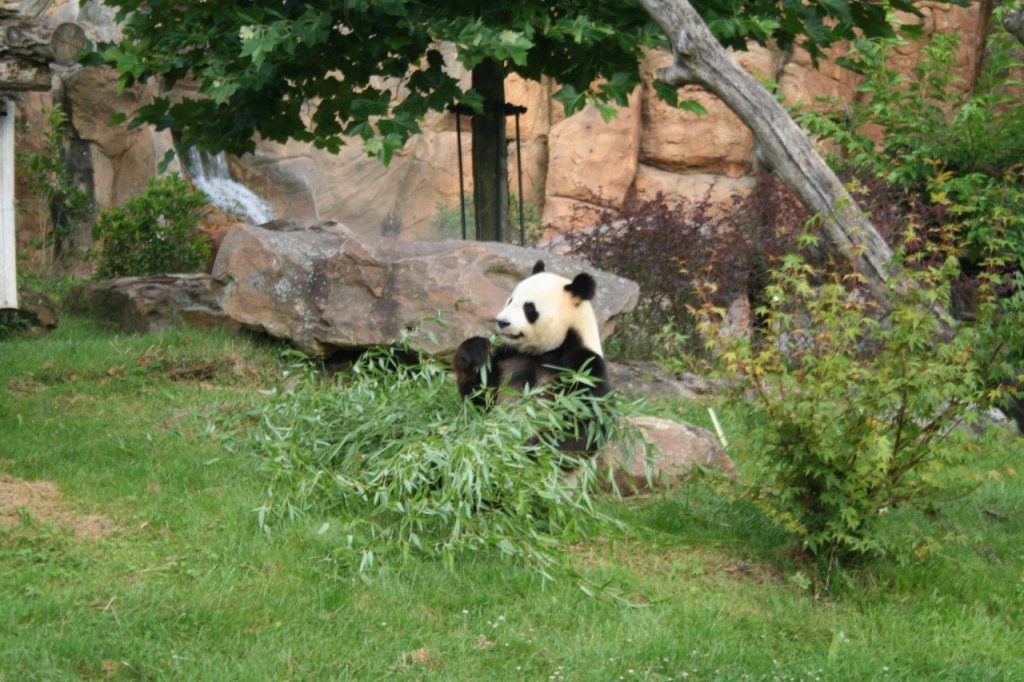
{"points": [[781, 145], [490, 153]]}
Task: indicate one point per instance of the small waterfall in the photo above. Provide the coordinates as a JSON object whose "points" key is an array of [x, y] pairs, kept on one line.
{"points": [[210, 174]]}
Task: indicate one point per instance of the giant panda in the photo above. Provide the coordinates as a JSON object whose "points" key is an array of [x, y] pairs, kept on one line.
{"points": [[546, 326]]}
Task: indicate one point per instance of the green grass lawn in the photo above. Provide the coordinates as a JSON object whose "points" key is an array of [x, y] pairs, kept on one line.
{"points": [[186, 586]]}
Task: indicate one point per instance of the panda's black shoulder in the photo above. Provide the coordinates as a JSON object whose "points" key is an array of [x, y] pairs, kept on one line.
{"points": [[519, 368]]}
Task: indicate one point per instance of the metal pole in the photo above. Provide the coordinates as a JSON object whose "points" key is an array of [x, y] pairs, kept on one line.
{"points": [[462, 182], [519, 169], [8, 260]]}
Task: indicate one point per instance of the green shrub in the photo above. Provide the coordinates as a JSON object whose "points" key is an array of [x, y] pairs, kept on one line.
{"points": [[401, 464], [854, 407], [672, 250], [950, 145], [48, 176], [155, 232], [12, 323]]}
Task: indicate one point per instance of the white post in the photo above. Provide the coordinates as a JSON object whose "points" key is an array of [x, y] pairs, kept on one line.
{"points": [[8, 262]]}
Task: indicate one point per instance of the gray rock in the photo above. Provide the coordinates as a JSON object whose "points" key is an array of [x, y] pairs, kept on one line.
{"points": [[152, 303], [994, 417], [38, 309], [645, 379], [676, 450], [327, 288]]}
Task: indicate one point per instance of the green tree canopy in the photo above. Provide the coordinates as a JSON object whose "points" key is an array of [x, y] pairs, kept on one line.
{"points": [[328, 71]]}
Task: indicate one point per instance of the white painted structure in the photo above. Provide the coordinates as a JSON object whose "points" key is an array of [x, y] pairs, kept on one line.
{"points": [[8, 262]]}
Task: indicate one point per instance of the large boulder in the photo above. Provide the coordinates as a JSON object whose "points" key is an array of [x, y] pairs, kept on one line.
{"points": [[152, 303], [326, 288]]}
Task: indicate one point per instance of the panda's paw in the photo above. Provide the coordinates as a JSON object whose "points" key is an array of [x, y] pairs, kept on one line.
{"points": [[473, 354]]}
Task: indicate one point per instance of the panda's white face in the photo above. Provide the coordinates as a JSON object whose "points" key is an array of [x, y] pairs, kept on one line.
{"points": [[542, 310]]}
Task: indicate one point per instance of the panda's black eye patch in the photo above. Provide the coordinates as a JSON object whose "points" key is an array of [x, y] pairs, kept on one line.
{"points": [[530, 310]]}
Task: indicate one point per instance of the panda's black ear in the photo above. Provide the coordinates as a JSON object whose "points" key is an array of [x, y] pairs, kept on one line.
{"points": [[582, 287], [538, 267]]}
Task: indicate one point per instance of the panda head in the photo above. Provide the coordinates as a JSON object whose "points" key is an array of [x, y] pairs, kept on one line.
{"points": [[544, 308]]}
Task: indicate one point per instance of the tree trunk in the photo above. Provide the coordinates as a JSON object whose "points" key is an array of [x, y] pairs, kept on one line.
{"points": [[781, 145], [28, 48], [490, 154], [39, 43]]}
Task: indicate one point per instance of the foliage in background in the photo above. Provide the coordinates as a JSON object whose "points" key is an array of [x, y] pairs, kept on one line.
{"points": [[447, 222], [12, 322], [855, 404], [154, 232], [392, 455], [257, 65], [66, 205], [54, 287], [953, 149], [671, 250]]}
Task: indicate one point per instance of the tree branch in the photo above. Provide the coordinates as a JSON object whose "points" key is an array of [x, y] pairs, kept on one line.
{"points": [[701, 60]]}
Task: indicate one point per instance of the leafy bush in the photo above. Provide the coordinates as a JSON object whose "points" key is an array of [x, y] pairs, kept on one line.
{"points": [[155, 232], [854, 401], [403, 465], [672, 250], [676, 253], [950, 145], [47, 174], [11, 323]]}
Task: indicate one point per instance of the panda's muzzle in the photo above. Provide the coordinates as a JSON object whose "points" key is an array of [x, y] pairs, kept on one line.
{"points": [[505, 324]]}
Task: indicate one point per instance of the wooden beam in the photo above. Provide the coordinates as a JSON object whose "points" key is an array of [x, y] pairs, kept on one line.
{"points": [[39, 42], [18, 75]]}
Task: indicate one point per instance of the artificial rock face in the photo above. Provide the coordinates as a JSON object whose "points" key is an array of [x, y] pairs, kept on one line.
{"points": [[573, 167], [325, 288]]}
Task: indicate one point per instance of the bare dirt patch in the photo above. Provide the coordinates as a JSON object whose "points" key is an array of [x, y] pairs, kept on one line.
{"points": [[41, 500]]}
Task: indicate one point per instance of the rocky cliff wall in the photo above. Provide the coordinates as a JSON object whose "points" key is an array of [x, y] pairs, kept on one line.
{"points": [[571, 166]]}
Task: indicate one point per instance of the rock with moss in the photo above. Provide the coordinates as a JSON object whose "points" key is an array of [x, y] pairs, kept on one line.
{"points": [[152, 303]]}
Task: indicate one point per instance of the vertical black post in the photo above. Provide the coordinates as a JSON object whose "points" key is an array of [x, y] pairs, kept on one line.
{"points": [[462, 177], [519, 172], [490, 152]]}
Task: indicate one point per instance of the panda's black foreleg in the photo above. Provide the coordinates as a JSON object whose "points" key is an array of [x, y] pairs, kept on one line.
{"points": [[473, 355]]}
